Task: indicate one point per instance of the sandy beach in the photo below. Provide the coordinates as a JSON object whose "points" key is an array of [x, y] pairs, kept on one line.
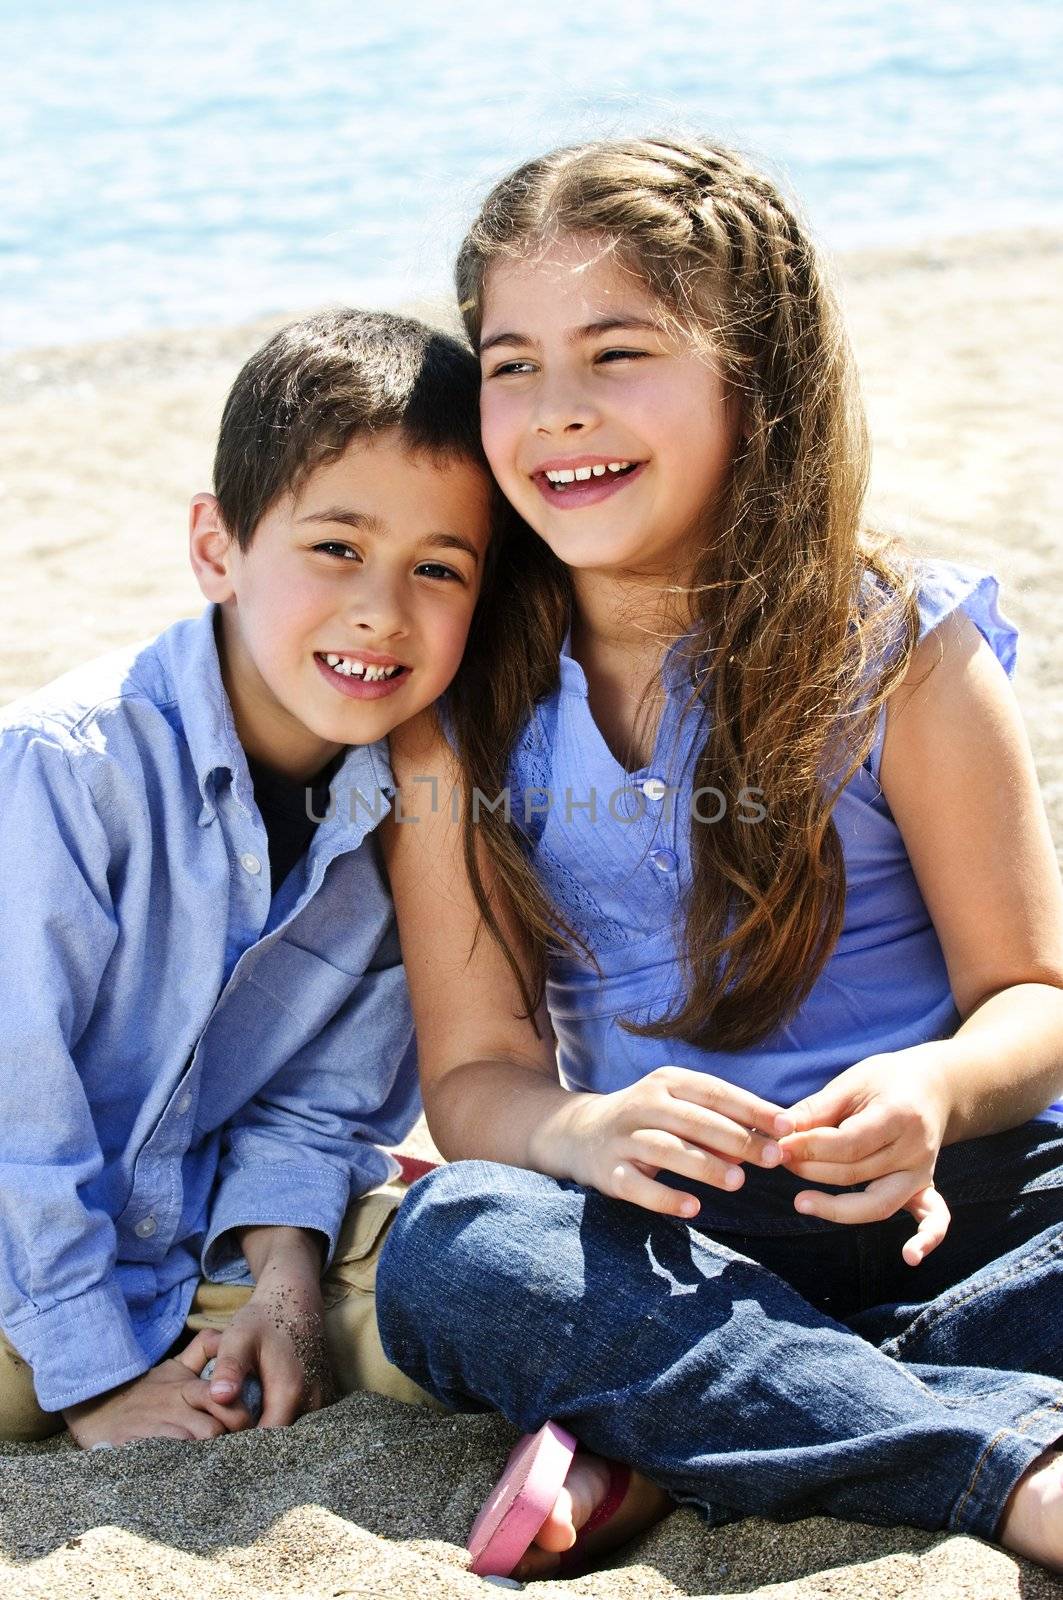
{"points": [[960, 345]]}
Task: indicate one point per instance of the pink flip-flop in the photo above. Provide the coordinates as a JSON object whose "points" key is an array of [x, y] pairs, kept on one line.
{"points": [[523, 1498]]}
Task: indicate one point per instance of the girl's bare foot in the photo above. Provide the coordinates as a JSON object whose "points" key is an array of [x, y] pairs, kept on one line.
{"points": [[1032, 1524], [586, 1486]]}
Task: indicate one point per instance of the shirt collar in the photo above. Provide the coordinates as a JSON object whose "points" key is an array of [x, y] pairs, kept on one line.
{"points": [[189, 654]]}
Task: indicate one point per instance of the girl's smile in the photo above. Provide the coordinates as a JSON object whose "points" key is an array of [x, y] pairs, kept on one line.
{"points": [[590, 397], [583, 480]]}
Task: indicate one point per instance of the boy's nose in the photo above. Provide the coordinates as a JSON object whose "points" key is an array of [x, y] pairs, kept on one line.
{"points": [[376, 610]]}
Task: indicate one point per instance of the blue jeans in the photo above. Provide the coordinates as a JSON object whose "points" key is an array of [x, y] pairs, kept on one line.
{"points": [[755, 1362]]}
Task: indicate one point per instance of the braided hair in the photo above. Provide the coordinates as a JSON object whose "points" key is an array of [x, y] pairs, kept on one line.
{"points": [[804, 618]]}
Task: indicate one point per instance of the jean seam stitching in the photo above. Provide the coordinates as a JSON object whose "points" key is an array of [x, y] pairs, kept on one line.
{"points": [[1020, 1429], [936, 1312]]}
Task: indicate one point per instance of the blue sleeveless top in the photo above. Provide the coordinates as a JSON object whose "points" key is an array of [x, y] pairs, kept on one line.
{"points": [[611, 849]]}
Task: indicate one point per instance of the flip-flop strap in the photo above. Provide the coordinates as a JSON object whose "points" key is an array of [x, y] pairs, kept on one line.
{"points": [[412, 1167]]}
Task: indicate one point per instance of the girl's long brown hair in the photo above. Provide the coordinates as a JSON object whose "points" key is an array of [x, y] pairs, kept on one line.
{"points": [[803, 619]]}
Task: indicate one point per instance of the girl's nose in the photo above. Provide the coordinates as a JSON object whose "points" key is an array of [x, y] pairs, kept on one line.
{"points": [[563, 407]]}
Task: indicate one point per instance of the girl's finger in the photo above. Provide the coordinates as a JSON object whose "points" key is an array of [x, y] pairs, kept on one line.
{"points": [[715, 1094], [656, 1148], [934, 1219], [844, 1174], [859, 1137], [881, 1199], [715, 1134], [626, 1182]]}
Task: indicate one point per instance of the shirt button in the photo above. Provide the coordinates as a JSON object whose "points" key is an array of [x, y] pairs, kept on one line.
{"points": [[183, 1104], [655, 788], [146, 1227], [664, 860], [250, 863]]}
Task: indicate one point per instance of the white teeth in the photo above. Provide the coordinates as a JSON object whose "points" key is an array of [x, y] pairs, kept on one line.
{"points": [[349, 668], [558, 475]]}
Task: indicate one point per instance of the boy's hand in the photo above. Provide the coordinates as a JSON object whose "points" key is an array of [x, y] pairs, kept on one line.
{"points": [[673, 1120], [169, 1402], [279, 1335], [881, 1124]]}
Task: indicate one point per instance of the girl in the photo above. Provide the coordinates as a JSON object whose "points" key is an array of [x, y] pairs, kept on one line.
{"points": [[747, 798]]}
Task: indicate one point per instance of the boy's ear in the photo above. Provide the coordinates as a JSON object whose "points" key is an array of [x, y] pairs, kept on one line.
{"points": [[210, 548]]}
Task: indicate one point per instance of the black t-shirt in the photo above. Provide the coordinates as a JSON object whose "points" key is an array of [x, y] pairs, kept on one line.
{"points": [[289, 807]]}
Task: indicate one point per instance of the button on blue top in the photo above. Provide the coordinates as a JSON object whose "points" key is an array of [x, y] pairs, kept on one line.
{"points": [[620, 883]]}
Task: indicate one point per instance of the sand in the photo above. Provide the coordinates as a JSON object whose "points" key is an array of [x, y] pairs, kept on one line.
{"points": [[960, 345]]}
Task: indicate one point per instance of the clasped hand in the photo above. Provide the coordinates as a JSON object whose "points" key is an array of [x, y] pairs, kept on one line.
{"points": [[278, 1334], [879, 1124]]}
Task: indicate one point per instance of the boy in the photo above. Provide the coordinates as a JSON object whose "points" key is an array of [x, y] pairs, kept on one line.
{"points": [[206, 1028]]}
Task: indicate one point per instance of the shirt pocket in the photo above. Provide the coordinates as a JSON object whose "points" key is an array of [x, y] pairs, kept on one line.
{"points": [[303, 985], [265, 1018]]}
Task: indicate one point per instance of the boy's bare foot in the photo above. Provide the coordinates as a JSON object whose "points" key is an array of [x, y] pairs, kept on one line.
{"points": [[585, 1488], [1032, 1524]]}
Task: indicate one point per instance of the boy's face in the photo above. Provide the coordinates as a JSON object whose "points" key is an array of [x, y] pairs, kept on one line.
{"points": [[374, 562]]}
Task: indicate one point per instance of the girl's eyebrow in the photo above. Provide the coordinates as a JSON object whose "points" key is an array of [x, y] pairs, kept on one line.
{"points": [[587, 331]]}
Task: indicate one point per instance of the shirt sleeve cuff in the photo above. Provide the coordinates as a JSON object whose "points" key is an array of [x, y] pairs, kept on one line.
{"points": [[80, 1348], [272, 1195]]}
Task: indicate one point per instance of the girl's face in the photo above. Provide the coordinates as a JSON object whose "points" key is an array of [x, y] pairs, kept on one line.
{"points": [[607, 433]]}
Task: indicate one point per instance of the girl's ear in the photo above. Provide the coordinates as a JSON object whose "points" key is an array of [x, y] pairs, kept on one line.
{"points": [[210, 548]]}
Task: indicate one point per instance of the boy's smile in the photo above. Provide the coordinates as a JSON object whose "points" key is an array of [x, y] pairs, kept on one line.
{"points": [[348, 613]]}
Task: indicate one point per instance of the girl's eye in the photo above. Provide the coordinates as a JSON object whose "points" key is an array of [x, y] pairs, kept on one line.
{"points": [[336, 547], [436, 569], [622, 355]]}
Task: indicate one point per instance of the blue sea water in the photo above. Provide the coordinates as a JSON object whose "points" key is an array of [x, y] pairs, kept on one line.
{"points": [[177, 162]]}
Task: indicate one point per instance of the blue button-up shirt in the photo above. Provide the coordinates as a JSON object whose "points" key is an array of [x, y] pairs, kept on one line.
{"points": [[184, 1051]]}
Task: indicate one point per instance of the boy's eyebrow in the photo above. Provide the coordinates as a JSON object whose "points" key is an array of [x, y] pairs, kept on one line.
{"points": [[366, 522], [587, 331], [346, 514]]}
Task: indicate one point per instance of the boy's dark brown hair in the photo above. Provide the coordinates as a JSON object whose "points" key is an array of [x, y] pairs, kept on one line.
{"points": [[320, 381]]}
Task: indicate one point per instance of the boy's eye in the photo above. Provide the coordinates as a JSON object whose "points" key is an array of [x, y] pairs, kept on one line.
{"points": [[336, 547], [508, 369], [437, 569]]}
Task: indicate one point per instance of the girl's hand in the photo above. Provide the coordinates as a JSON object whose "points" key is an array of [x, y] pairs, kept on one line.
{"points": [[169, 1402], [672, 1120], [279, 1336], [881, 1124]]}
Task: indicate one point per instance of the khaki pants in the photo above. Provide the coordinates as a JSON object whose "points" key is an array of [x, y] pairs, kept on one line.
{"points": [[358, 1361]]}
